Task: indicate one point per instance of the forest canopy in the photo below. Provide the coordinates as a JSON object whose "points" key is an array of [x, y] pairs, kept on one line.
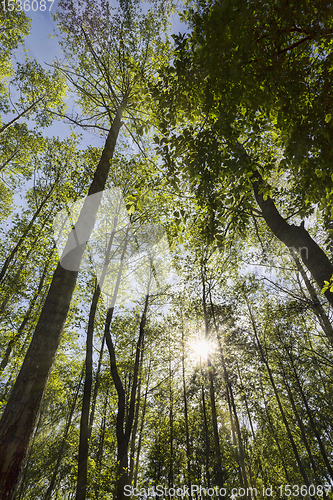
{"points": [[167, 275]]}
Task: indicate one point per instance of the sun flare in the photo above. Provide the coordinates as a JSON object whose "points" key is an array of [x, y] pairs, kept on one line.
{"points": [[201, 349]]}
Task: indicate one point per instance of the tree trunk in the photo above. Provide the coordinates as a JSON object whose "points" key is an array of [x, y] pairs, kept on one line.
{"points": [[231, 404], [315, 304], [207, 444], [301, 425], [26, 318], [136, 421], [96, 387], [277, 397], [218, 460], [296, 237], [170, 472], [188, 447], [50, 489], [141, 429], [311, 419], [270, 423], [84, 424], [25, 232], [124, 426], [20, 415], [99, 455]]}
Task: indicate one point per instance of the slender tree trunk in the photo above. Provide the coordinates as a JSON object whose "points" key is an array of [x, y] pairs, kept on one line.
{"points": [[26, 318], [207, 444], [138, 450], [277, 397], [271, 426], [84, 424], [218, 460], [264, 475], [311, 419], [136, 420], [50, 489], [124, 426], [96, 387], [20, 415], [300, 424], [25, 232], [99, 455], [316, 304], [231, 404], [295, 237], [188, 447], [170, 472]]}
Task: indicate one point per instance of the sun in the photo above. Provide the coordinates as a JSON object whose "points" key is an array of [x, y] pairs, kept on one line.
{"points": [[201, 349]]}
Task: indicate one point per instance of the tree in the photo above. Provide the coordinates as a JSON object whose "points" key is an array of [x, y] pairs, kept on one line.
{"points": [[121, 79], [239, 140]]}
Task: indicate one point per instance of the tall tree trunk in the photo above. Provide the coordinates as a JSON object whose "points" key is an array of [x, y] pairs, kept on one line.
{"points": [[21, 491], [26, 318], [170, 471], [124, 425], [99, 455], [20, 415], [275, 437], [315, 304], [231, 403], [96, 387], [278, 400], [25, 232], [207, 443], [295, 237], [219, 476], [300, 424], [84, 424], [311, 418], [136, 420], [50, 489], [263, 473], [188, 447], [138, 450]]}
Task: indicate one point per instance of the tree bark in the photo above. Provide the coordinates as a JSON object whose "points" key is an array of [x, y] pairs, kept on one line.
{"points": [[295, 237], [20, 415], [207, 444], [231, 404]]}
